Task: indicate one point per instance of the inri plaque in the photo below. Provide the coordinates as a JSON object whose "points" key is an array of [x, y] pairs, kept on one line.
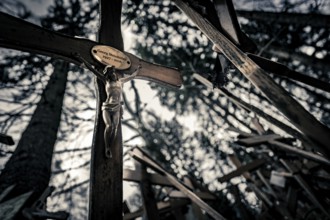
{"points": [[111, 56]]}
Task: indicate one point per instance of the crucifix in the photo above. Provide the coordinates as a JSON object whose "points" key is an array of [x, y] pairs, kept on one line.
{"points": [[113, 67]]}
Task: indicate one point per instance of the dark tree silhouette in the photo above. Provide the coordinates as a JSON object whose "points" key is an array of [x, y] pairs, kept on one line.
{"points": [[29, 168]]}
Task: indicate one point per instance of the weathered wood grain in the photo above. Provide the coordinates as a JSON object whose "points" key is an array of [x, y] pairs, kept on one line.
{"points": [[143, 157], [260, 139], [21, 35], [242, 169], [148, 196], [303, 184], [300, 118], [106, 181], [135, 176]]}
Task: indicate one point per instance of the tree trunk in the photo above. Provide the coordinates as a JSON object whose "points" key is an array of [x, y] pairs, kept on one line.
{"points": [[30, 165]]}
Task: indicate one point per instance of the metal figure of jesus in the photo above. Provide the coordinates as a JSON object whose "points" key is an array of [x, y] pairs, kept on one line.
{"points": [[111, 107]]}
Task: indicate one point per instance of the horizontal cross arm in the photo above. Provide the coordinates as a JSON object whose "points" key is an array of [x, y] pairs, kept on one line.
{"points": [[166, 76], [21, 35]]}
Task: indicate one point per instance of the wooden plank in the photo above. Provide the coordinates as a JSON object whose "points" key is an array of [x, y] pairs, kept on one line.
{"points": [[248, 107], [308, 155], [180, 195], [303, 184], [9, 209], [135, 176], [149, 201], [165, 76], [228, 19], [143, 157], [260, 194], [253, 140], [281, 99], [257, 140], [106, 183], [233, 158], [242, 169], [229, 23]]}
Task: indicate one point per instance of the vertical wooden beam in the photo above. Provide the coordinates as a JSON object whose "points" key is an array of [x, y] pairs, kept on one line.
{"points": [[149, 201], [106, 187]]}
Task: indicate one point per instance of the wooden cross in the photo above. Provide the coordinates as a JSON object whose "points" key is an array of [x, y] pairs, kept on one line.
{"points": [[106, 173]]}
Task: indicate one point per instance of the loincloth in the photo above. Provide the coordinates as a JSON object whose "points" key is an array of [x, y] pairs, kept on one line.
{"points": [[110, 107]]}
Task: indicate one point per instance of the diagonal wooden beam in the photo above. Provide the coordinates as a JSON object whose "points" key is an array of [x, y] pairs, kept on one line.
{"points": [[156, 179], [306, 154], [135, 176], [180, 195], [259, 139], [274, 141], [138, 154], [242, 169], [281, 99], [248, 107]]}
